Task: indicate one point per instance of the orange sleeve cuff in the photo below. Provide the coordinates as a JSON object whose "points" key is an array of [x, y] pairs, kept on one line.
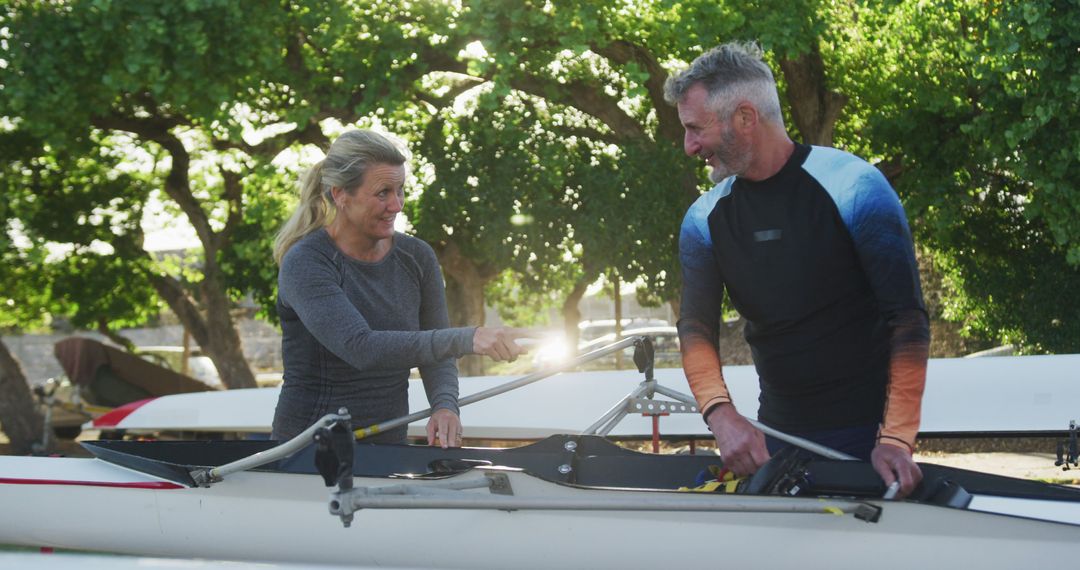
{"points": [[701, 364], [903, 403], [895, 441], [712, 403]]}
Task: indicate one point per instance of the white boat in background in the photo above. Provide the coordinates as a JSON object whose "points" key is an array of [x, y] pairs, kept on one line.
{"points": [[1000, 396], [558, 405], [568, 501]]}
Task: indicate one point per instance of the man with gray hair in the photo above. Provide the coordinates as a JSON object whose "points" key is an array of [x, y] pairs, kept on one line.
{"points": [[813, 248]]}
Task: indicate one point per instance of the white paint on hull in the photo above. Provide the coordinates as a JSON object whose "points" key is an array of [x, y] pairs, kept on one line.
{"points": [[283, 518]]}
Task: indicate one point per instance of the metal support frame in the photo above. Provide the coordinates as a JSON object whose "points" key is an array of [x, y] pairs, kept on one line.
{"points": [[648, 388], [449, 495]]}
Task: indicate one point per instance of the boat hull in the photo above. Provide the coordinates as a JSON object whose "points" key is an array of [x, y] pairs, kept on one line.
{"points": [[282, 517]]}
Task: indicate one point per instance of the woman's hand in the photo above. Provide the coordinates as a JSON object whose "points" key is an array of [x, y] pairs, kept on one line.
{"points": [[498, 342], [445, 426]]}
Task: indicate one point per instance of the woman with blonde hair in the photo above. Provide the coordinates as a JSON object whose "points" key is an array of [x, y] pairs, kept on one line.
{"points": [[361, 304]]}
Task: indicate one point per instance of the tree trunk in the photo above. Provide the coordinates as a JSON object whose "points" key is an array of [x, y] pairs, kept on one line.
{"points": [[570, 311], [19, 416], [616, 295], [465, 281], [734, 350], [223, 344], [215, 333], [814, 108], [733, 347], [465, 302], [461, 302], [224, 347]]}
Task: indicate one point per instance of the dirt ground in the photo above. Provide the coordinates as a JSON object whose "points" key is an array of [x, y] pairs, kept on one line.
{"points": [[1025, 458], [64, 447], [1030, 458]]}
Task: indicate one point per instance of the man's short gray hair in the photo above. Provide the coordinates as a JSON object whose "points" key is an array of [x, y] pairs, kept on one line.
{"points": [[730, 73]]}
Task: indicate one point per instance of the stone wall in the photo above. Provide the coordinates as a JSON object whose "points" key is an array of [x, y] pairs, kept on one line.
{"points": [[262, 346], [262, 342]]}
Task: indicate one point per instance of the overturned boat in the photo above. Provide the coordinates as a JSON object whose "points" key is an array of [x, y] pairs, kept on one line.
{"points": [[568, 501], [98, 378]]}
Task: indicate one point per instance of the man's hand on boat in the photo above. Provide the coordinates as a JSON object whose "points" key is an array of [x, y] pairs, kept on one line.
{"points": [[499, 344], [741, 445], [895, 463], [444, 426]]}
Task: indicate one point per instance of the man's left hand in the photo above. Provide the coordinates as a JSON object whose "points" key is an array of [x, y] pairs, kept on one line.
{"points": [[895, 463]]}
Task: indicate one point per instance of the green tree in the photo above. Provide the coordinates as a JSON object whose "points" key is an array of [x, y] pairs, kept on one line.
{"points": [[22, 301], [89, 211], [492, 202], [604, 64], [978, 129], [564, 164], [148, 83], [25, 302], [199, 97], [85, 285]]}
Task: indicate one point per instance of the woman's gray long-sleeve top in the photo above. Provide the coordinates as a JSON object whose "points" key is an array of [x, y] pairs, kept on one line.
{"points": [[352, 330]]}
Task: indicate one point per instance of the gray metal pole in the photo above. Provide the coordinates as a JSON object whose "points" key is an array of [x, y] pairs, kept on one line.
{"points": [[512, 385]]}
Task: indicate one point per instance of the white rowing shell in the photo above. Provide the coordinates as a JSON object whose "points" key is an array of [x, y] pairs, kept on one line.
{"points": [[963, 395]]}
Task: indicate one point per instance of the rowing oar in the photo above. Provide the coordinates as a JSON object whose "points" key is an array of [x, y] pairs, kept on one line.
{"points": [[890, 492], [206, 476], [369, 431], [785, 437], [808, 445]]}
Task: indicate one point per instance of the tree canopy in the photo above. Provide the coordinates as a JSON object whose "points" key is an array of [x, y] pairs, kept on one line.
{"points": [[978, 130], [545, 155]]}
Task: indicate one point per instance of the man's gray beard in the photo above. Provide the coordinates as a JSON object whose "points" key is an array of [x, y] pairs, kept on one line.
{"points": [[717, 176]]}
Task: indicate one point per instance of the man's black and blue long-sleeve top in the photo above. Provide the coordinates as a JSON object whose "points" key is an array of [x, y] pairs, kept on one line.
{"points": [[819, 261]]}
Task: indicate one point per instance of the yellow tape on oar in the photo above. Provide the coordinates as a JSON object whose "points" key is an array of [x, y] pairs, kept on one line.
{"points": [[369, 431]]}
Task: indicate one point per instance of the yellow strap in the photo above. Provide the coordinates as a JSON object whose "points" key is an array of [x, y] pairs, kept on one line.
{"points": [[730, 483], [707, 487]]}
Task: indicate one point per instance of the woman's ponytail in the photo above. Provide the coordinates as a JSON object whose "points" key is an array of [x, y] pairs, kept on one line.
{"points": [[310, 214]]}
